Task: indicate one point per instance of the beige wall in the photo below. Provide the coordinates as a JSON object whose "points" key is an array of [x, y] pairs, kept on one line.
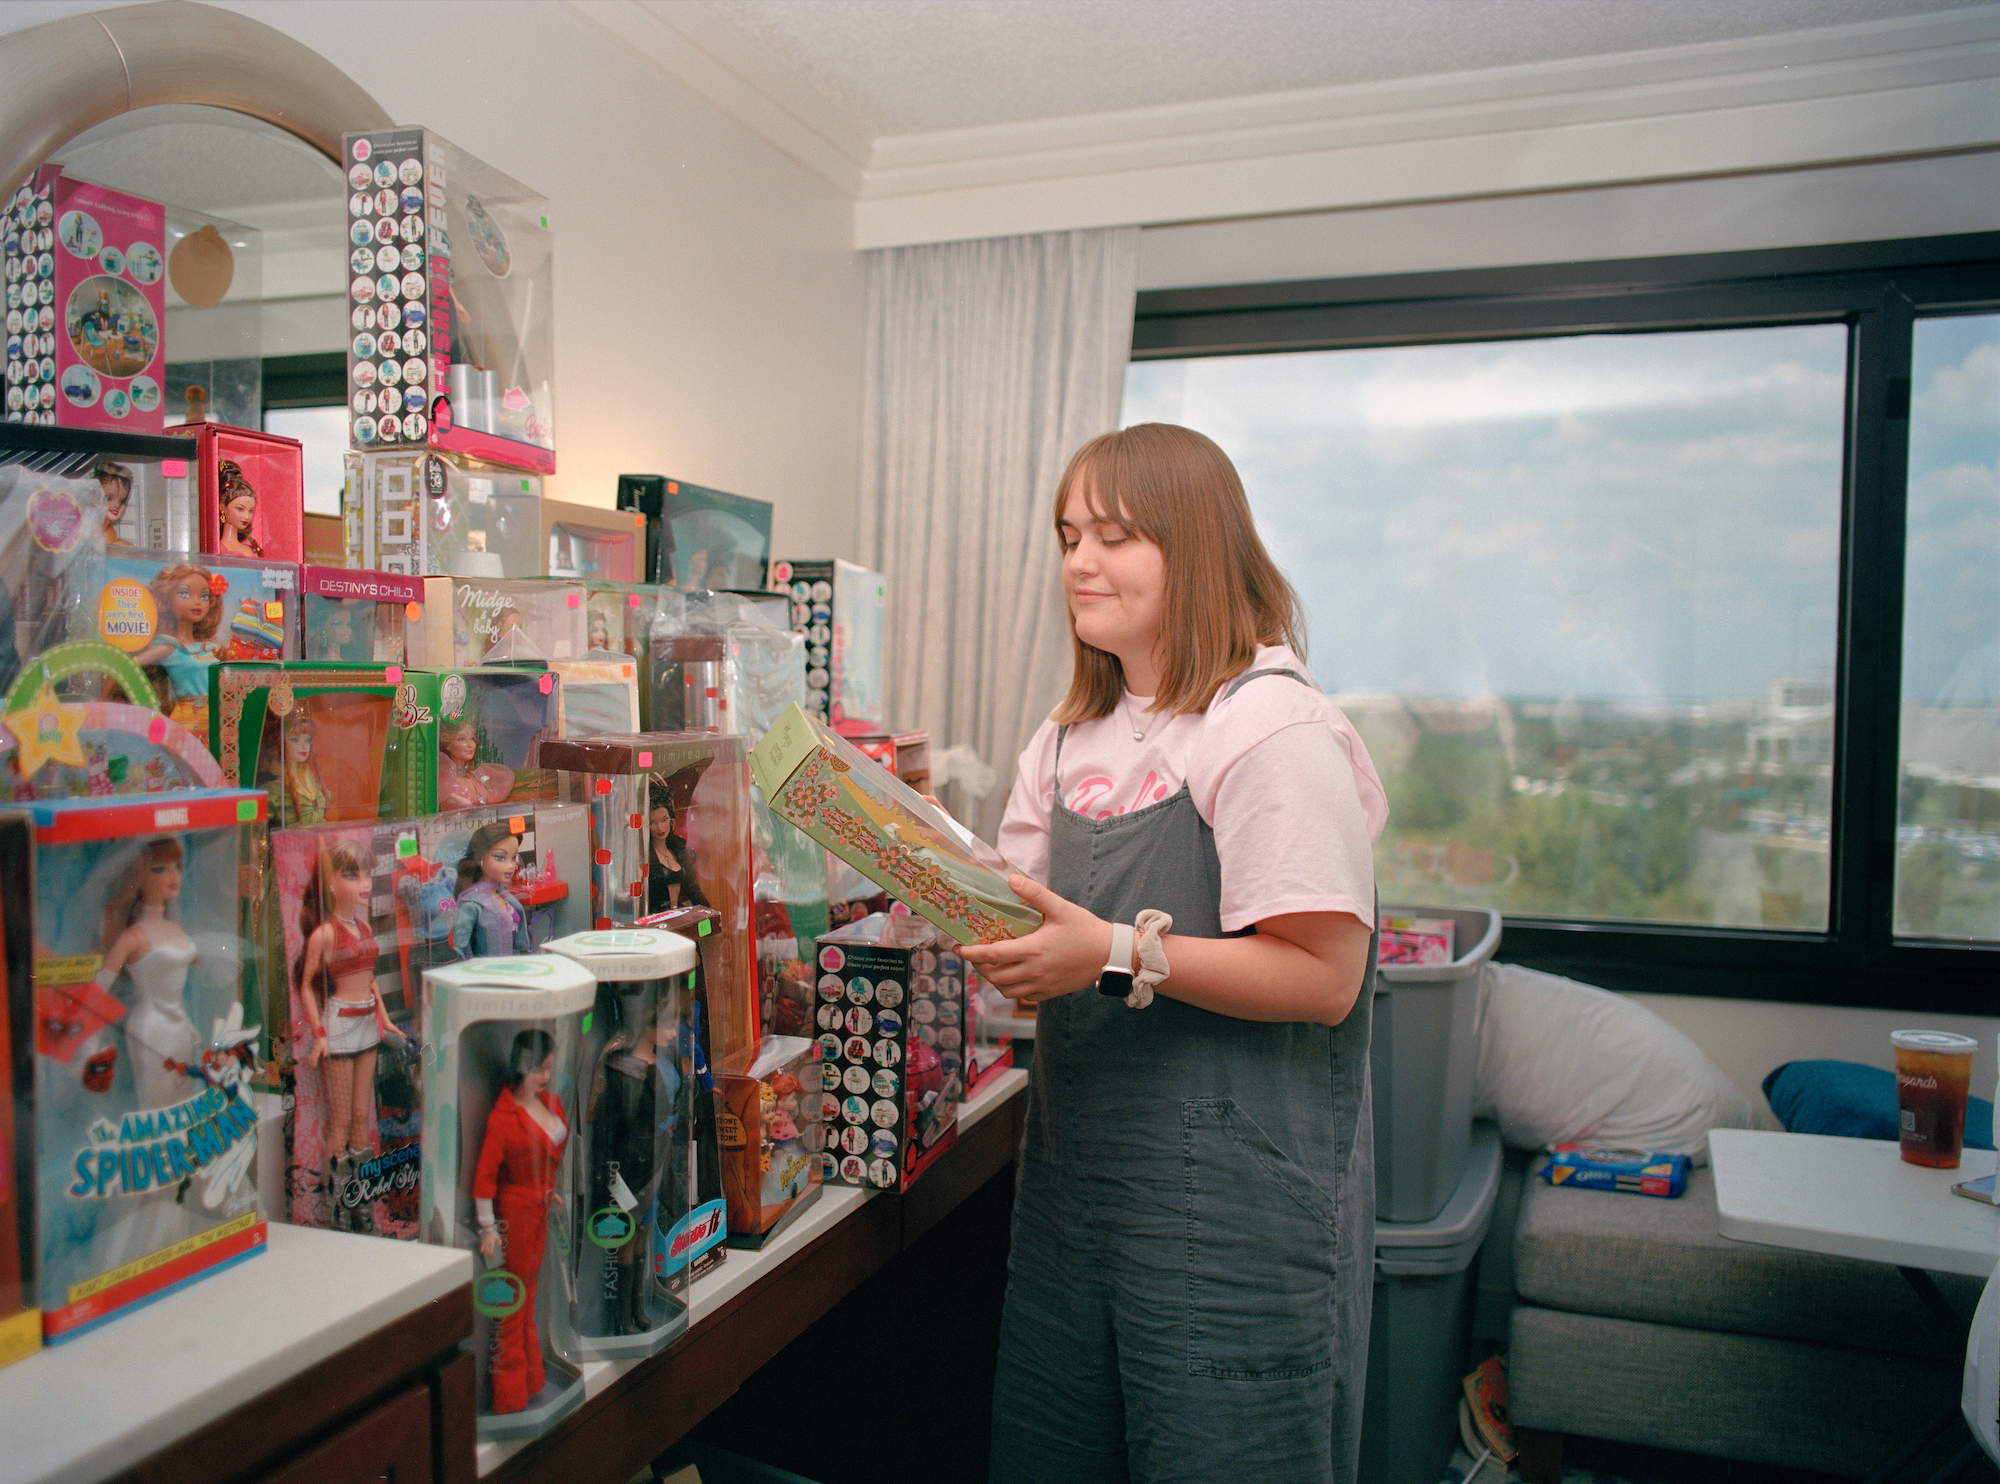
{"points": [[708, 299]]}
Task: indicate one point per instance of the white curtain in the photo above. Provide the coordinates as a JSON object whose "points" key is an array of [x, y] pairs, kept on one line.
{"points": [[988, 363]]}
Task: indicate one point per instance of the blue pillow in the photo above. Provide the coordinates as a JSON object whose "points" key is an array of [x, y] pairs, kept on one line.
{"points": [[1858, 1102]]}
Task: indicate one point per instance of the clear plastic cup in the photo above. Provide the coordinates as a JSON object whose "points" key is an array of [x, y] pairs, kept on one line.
{"points": [[1933, 1076]]}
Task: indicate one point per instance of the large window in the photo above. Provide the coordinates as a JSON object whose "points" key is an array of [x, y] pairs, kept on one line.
{"points": [[1666, 595]]}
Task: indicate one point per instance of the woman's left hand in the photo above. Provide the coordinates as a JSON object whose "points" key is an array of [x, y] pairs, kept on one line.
{"points": [[1060, 957]]}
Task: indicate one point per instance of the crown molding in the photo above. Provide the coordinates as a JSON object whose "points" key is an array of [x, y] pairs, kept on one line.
{"points": [[1912, 85], [739, 78]]}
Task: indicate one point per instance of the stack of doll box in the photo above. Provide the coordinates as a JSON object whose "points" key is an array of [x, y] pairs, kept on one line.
{"points": [[450, 366]]}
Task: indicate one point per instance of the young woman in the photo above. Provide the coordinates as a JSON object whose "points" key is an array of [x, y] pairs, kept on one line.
{"points": [[512, 1186], [1189, 1288], [237, 503], [341, 1003], [491, 920]]}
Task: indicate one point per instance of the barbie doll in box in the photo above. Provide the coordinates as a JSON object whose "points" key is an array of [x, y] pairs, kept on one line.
{"points": [[285, 770], [189, 599], [147, 946], [464, 781], [345, 1017], [490, 921], [237, 502], [512, 1188]]}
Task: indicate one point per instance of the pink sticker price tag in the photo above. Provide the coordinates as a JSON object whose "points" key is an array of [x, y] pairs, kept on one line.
{"points": [[575, 599], [393, 674], [548, 684], [156, 730]]}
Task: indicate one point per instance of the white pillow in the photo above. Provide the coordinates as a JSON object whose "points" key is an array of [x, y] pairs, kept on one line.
{"points": [[1562, 1061]]}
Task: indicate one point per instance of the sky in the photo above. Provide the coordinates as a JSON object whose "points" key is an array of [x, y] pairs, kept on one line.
{"points": [[1643, 518]]}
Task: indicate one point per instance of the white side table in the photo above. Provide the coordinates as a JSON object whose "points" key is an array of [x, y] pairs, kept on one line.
{"points": [[1858, 1198], [1852, 1198]]}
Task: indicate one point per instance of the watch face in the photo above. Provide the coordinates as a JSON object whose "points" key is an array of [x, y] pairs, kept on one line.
{"points": [[1114, 981]]}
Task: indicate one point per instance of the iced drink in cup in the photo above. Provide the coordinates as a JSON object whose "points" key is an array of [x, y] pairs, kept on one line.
{"points": [[1933, 1073]]}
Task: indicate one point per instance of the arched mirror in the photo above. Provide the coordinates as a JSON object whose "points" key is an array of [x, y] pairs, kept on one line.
{"points": [[235, 128]]}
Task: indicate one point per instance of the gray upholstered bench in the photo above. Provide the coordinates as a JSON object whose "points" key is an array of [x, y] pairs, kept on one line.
{"points": [[1637, 1322]]}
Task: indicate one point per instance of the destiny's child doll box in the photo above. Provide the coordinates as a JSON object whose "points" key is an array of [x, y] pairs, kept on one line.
{"points": [[147, 1141], [353, 616], [502, 1100], [883, 828], [891, 1024]]}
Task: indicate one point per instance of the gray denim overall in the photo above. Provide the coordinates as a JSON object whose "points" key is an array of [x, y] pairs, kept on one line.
{"points": [[1191, 1272]]}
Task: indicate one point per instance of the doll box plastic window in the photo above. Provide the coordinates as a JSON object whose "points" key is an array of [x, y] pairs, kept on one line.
{"points": [[482, 621], [85, 283], [252, 492], [450, 287], [351, 615], [772, 1136], [422, 514], [502, 1101], [892, 1021], [879, 825], [146, 1138]]}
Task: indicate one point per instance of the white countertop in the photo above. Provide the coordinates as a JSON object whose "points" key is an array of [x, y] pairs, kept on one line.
{"points": [[84, 1410], [744, 1267], [1852, 1198]]}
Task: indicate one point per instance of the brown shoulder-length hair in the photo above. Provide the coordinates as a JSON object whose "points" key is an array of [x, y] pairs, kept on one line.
{"points": [[1223, 596]]}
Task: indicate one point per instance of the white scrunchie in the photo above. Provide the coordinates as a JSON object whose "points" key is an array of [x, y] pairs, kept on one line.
{"points": [[1150, 927]]}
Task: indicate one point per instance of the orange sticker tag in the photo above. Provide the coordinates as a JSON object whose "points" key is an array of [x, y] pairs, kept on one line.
{"points": [[517, 825], [415, 611]]}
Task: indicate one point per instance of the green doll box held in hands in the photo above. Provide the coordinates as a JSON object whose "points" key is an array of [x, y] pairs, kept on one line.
{"points": [[883, 828]]}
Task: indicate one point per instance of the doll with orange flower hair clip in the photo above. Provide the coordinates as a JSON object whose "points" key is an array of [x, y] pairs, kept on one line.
{"points": [[189, 598]]}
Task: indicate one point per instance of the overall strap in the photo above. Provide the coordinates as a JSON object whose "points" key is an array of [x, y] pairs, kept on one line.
{"points": [[1242, 680]]}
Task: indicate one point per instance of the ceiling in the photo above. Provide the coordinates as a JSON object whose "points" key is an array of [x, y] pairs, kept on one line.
{"points": [[903, 67], [948, 120]]}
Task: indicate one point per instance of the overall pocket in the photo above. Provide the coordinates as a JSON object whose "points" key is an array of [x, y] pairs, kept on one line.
{"points": [[1261, 1239]]}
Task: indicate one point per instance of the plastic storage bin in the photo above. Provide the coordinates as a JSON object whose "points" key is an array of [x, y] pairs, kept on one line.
{"points": [[1424, 1289], [1422, 1059]]}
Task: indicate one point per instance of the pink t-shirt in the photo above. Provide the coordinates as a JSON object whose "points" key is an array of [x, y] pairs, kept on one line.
{"points": [[1275, 770]]}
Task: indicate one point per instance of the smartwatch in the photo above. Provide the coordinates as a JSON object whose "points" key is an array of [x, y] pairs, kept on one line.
{"points": [[1115, 977]]}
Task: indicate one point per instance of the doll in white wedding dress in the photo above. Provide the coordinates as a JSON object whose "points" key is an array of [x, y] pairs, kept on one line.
{"points": [[154, 951]]}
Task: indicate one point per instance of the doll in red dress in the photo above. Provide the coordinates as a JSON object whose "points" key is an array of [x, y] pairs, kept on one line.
{"points": [[511, 1190]]}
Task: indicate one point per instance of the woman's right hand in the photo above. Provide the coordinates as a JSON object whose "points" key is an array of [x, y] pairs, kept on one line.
{"points": [[489, 1243], [319, 1047]]}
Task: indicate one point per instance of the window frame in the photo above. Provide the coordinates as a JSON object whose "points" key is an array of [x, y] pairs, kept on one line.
{"points": [[1878, 289]]}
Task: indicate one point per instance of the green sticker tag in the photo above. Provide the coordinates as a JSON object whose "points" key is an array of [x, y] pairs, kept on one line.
{"points": [[586, 1021], [406, 847], [702, 931], [545, 224], [246, 810]]}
